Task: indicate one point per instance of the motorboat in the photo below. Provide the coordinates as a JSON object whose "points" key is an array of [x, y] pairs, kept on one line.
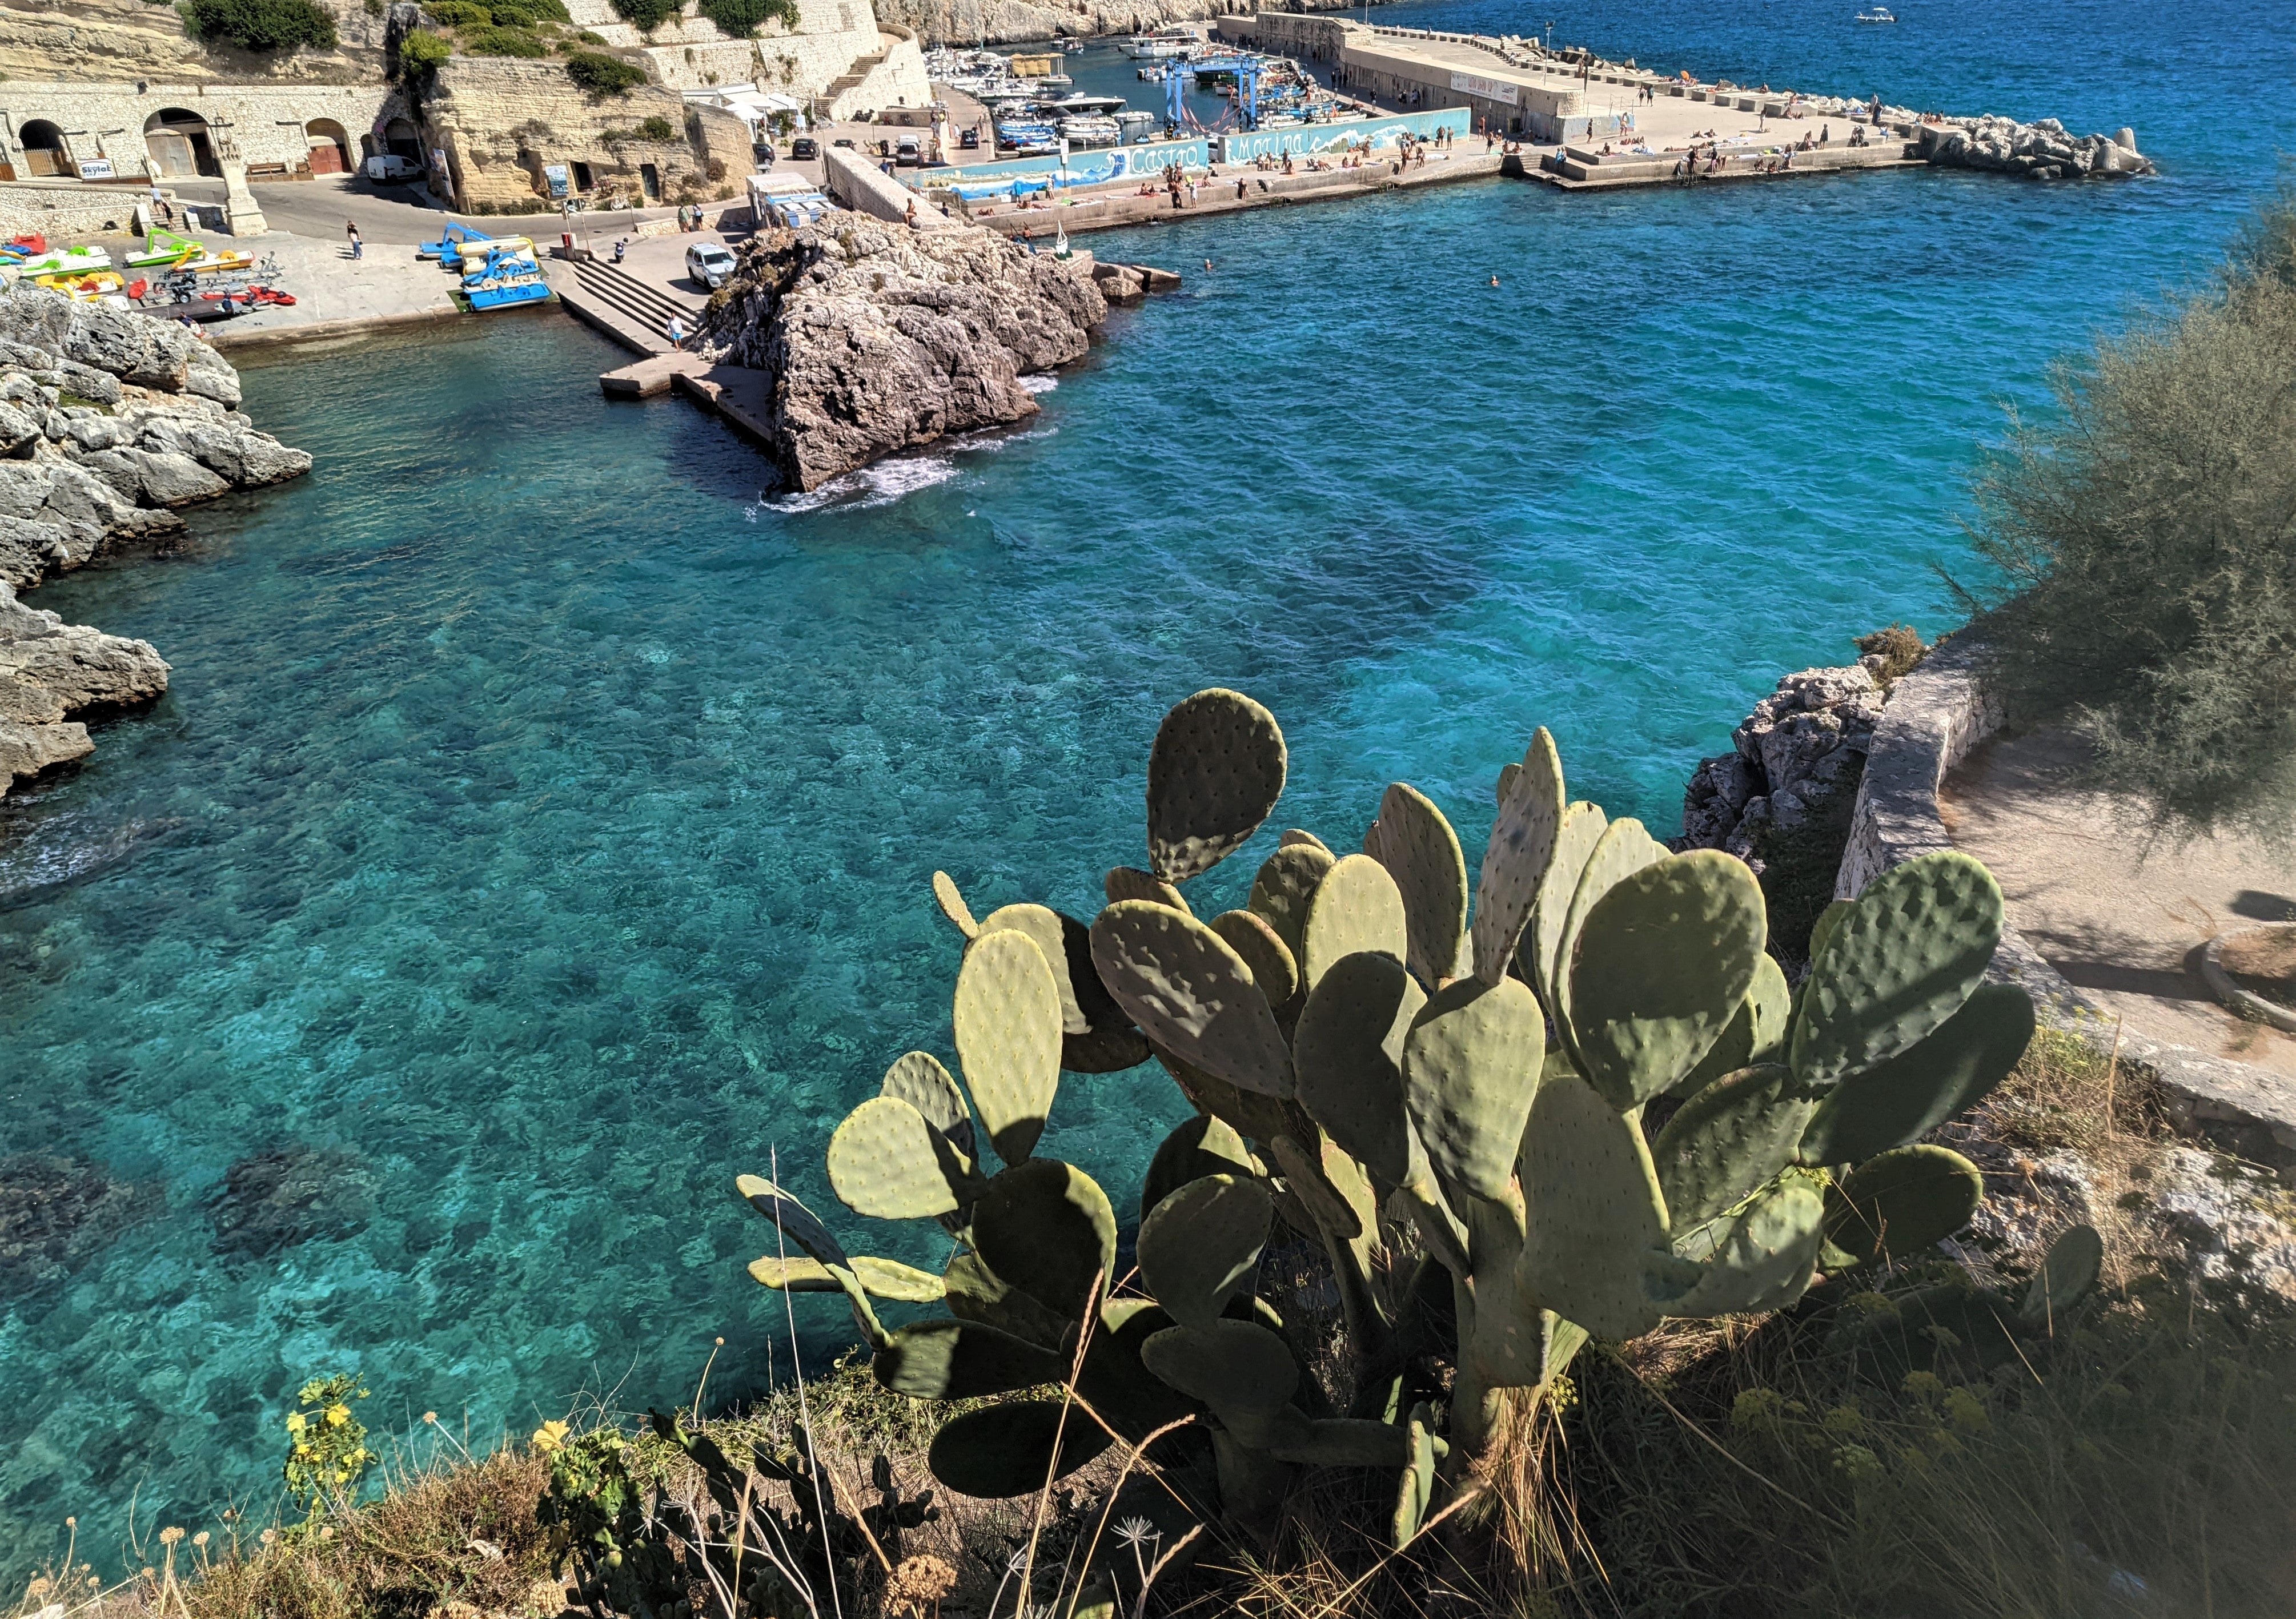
{"points": [[1029, 137], [1134, 120], [1877, 13], [1079, 105], [1054, 81], [1091, 131], [1161, 43]]}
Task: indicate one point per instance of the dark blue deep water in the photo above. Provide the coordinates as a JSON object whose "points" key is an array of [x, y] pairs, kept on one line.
{"points": [[538, 831]]}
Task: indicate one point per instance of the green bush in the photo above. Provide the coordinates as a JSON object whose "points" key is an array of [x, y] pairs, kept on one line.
{"points": [[644, 16], [741, 17], [2144, 567], [602, 75], [422, 53], [504, 42], [585, 37], [458, 14], [260, 24]]}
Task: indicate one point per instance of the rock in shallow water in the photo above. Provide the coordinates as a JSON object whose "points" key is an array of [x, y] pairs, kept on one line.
{"points": [[879, 339]]}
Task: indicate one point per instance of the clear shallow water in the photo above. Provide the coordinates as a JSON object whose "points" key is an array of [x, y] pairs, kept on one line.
{"points": [[538, 827]]}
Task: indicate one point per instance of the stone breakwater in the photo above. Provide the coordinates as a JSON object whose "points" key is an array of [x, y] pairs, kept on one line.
{"points": [[110, 423], [875, 337], [2042, 150]]}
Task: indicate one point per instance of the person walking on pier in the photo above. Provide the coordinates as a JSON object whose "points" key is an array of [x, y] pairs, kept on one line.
{"points": [[358, 248], [675, 332]]}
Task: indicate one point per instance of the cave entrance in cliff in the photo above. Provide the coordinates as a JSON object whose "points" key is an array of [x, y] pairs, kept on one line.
{"points": [[178, 142], [331, 146], [399, 138], [44, 150]]}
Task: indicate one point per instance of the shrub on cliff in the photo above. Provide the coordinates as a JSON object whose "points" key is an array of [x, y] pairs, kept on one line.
{"points": [[2144, 553], [742, 18], [421, 55], [260, 24], [645, 15], [504, 42], [602, 75]]}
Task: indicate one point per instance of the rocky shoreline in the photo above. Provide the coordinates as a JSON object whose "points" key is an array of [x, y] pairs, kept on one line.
{"points": [[877, 337], [110, 423]]}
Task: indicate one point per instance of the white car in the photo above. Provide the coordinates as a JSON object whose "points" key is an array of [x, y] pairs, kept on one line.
{"points": [[390, 166], [710, 264]]}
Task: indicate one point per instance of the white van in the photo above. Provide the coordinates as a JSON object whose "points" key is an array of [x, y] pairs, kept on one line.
{"points": [[389, 165]]}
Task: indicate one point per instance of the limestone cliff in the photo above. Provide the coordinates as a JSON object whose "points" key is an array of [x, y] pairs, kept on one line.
{"points": [[878, 338], [963, 21], [112, 40], [110, 421]]}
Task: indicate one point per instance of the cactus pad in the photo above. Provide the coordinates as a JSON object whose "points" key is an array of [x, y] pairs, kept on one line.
{"points": [[1346, 1442], [800, 1225], [1043, 925], [1896, 965], [1046, 1227], [1348, 1053], [1273, 967], [1663, 965], [1007, 1015], [1727, 1140], [1416, 845], [1201, 1243], [1581, 828], [1214, 771], [1191, 994], [1415, 1491], [1287, 880], [1759, 1258], [952, 904], [1355, 907], [1129, 882], [1301, 835], [1756, 1033], [1200, 1147], [1902, 1202], [887, 1162], [2067, 1270], [1329, 1185], [978, 1294], [1253, 1117], [918, 1079], [1238, 1366], [881, 1277], [1516, 860], [1472, 1064], [956, 1360], [1003, 1451], [1134, 1401], [1623, 849], [1905, 1098], [1597, 1221]]}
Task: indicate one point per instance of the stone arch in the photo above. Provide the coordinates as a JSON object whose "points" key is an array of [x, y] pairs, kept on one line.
{"points": [[179, 143], [331, 146], [44, 148], [401, 137]]}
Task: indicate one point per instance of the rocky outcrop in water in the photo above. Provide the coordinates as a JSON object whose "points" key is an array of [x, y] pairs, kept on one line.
{"points": [[110, 423], [1796, 763], [2045, 151], [53, 1212], [878, 338]]}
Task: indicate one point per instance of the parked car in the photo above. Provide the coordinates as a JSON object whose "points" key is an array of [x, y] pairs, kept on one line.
{"points": [[806, 147], [846, 141], [389, 167], [710, 264], [909, 151], [970, 139]]}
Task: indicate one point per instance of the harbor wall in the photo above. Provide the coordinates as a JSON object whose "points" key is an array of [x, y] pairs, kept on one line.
{"points": [[1304, 139], [1098, 166]]}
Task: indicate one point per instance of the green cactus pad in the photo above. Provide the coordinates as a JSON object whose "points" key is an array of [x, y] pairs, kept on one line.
{"points": [[918, 1079], [1253, 1117], [1471, 1067], [1214, 771], [1663, 962], [1595, 1219], [1348, 1053], [1130, 882], [960, 1360], [1007, 1015], [1900, 963], [1331, 1186], [1757, 1259], [1421, 852], [1239, 1365], [1201, 1243], [885, 1161], [1200, 1147], [1510, 774], [1003, 1451], [800, 1225], [1828, 919], [1623, 849], [1046, 1228], [979, 1294], [1516, 860], [1301, 835], [1042, 924], [1581, 828], [1264, 951], [1191, 994], [1287, 881], [1134, 1401], [1415, 1491], [1355, 907], [2068, 1271], [1756, 1033], [879, 1277], [1727, 1140], [952, 904], [1348, 1442], [1902, 1099], [1902, 1202]]}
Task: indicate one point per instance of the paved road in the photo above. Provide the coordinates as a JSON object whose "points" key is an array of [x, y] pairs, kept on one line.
{"points": [[405, 215]]}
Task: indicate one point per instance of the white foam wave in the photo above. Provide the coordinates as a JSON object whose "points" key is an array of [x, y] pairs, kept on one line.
{"points": [[875, 486], [1043, 382]]}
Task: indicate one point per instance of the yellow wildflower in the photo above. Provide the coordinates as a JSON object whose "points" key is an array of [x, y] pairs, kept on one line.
{"points": [[550, 1436], [338, 1414]]}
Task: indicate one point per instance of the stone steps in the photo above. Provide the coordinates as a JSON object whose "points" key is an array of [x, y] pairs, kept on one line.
{"points": [[648, 307]]}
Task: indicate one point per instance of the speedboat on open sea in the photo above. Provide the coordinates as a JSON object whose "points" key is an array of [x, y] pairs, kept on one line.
{"points": [[1877, 13]]}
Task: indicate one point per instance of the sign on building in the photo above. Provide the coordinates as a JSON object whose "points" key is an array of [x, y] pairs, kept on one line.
{"points": [[96, 168], [555, 174], [1489, 89]]}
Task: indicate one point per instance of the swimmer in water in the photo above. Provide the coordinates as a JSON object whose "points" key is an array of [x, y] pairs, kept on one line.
{"points": [[1207, 264], [1494, 280]]}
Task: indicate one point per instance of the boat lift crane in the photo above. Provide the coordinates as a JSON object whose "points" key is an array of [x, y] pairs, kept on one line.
{"points": [[1247, 92]]}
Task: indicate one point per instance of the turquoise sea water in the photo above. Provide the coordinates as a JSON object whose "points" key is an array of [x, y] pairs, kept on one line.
{"points": [[538, 831]]}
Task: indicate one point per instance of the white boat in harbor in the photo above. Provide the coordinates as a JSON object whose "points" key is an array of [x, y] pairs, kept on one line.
{"points": [[1080, 105], [1091, 130], [1161, 43]]}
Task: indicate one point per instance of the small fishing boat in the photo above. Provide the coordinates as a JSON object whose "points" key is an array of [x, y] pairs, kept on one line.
{"points": [[1079, 105], [509, 275], [164, 249], [66, 261], [1089, 130], [1134, 120], [1877, 13]]}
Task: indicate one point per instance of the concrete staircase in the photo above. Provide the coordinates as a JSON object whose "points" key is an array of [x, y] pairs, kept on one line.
{"points": [[623, 307], [853, 75]]}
